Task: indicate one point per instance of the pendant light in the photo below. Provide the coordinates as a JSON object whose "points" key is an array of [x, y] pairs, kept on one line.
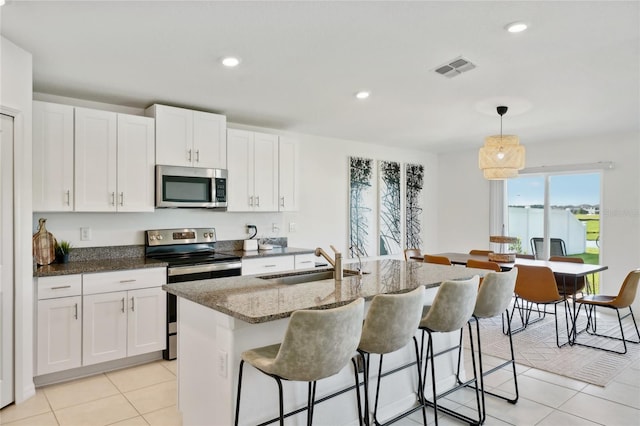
{"points": [[502, 155]]}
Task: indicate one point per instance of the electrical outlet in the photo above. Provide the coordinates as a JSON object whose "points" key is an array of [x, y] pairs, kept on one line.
{"points": [[292, 227], [222, 364], [275, 228], [85, 234]]}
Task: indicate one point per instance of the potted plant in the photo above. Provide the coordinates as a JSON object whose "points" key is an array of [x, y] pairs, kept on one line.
{"points": [[63, 248]]}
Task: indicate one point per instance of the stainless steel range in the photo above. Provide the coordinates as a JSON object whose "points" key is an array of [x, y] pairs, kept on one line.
{"points": [[191, 255]]}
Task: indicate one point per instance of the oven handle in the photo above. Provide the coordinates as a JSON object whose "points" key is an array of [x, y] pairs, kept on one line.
{"points": [[194, 269]]}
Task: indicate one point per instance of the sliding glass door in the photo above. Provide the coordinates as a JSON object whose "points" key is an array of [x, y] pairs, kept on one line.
{"points": [[555, 214]]}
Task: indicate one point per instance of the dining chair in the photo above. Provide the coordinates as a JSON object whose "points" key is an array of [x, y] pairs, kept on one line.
{"points": [[440, 260], [537, 285], [481, 252], [494, 297], [569, 285], [557, 247], [317, 344], [412, 252], [483, 264], [451, 309], [525, 256], [391, 323], [624, 299]]}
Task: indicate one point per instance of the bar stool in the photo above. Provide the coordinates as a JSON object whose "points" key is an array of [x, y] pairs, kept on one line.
{"points": [[493, 299], [452, 308], [390, 324], [316, 345]]}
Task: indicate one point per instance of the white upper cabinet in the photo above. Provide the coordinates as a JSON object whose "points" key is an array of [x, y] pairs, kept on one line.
{"points": [[189, 138], [113, 162], [288, 179], [136, 152], [52, 157], [253, 171], [95, 160]]}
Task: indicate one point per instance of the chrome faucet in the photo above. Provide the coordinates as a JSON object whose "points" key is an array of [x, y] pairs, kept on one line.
{"points": [[337, 264], [357, 251]]}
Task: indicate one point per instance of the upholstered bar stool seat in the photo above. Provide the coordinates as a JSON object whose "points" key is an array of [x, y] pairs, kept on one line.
{"points": [[391, 323], [452, 308], [317, 344]]}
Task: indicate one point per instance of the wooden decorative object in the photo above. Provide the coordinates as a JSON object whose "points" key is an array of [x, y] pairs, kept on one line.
{"points": [[44, 244]]}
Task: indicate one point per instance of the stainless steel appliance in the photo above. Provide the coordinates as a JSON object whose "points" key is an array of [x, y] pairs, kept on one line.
{"points": [[193, 187], [191, 255]]}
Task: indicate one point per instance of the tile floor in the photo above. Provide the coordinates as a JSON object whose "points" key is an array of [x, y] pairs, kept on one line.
{"points": [[146, 395]]}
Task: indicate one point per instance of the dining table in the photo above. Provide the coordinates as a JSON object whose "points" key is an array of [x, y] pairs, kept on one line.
{"points": [[569, 271]]}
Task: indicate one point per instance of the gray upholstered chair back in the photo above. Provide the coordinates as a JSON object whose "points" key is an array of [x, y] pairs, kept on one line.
{"points": [[392, 321], [453, 305], [319, 343], [495, 293]]}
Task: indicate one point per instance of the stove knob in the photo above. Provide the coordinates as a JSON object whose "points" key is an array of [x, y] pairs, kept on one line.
{"points": [[152, 237], [160, 237], [210, 234]]}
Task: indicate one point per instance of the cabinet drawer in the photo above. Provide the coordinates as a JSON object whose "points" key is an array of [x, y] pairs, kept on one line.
{"points": [[267, 265], [59, 286], [105, 282], [306, 261]]}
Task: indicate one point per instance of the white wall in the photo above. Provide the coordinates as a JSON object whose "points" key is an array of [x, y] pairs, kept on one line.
{"points": [[322, 219], [15, 99], [464, 195]]}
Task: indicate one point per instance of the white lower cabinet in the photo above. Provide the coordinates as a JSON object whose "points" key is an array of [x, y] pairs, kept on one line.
{"points": [[305, 261], [59, 323], [92, 318], [267, 265], [123, 323]]}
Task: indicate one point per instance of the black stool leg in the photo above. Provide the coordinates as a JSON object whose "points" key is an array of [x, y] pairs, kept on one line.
{"points": [[355, 372], [238, 397]]}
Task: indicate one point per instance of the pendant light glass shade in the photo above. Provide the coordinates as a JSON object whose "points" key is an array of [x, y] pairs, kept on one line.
{"points": [[502, 155]]}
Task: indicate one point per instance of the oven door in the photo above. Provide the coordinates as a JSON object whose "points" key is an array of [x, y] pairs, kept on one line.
{"points": [[181, 274]]}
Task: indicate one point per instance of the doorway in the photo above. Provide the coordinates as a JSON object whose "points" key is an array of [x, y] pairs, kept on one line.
{"points": [[6, 261]]}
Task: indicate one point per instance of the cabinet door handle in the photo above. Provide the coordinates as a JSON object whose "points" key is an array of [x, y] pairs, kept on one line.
{"points": [[60, 287], [123, 305], [197, 155], [75, 315], [133, 304], [113, 198], [306, 261], [257, 201], [122, 198], [251, 201], [127, 281], [281, 201], [189, 155], [68, 197], [269, 266]]}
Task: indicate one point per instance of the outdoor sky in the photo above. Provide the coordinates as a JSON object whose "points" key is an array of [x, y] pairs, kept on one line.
{"points": [[572, 189]]}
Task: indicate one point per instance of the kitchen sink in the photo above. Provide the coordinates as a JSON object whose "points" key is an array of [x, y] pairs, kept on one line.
{"points": [[306, 276]]}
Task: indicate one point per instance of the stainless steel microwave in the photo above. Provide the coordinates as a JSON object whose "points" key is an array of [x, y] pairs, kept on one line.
{"points": [[192, 187]]}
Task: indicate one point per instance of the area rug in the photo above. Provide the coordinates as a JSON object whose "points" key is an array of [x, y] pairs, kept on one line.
{"points": [[536, 347]]}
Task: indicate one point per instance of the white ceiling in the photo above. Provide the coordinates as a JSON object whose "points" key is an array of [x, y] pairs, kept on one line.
{"points": [[575, 73]]}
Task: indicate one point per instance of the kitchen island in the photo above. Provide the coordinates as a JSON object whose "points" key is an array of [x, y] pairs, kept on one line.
{"points": [[219, 319]]}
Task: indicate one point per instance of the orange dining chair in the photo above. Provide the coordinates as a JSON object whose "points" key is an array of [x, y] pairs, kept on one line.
{"points": [[483, 264], [481, 252], [537, 284], [624, 299], [566, 283], [440, 260], [412, 252]]}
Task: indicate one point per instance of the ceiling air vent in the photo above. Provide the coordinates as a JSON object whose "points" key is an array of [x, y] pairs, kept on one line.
{"points": [[455, 67]]}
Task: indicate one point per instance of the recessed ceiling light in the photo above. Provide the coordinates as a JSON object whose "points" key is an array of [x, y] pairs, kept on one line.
{"points": [[363, 94], [230, 61], [516, 27], [1, 2]]}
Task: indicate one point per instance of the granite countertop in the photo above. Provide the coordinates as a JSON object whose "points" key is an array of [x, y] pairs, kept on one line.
{"points": [[275, 251], [103, 265], [256, 300]]}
